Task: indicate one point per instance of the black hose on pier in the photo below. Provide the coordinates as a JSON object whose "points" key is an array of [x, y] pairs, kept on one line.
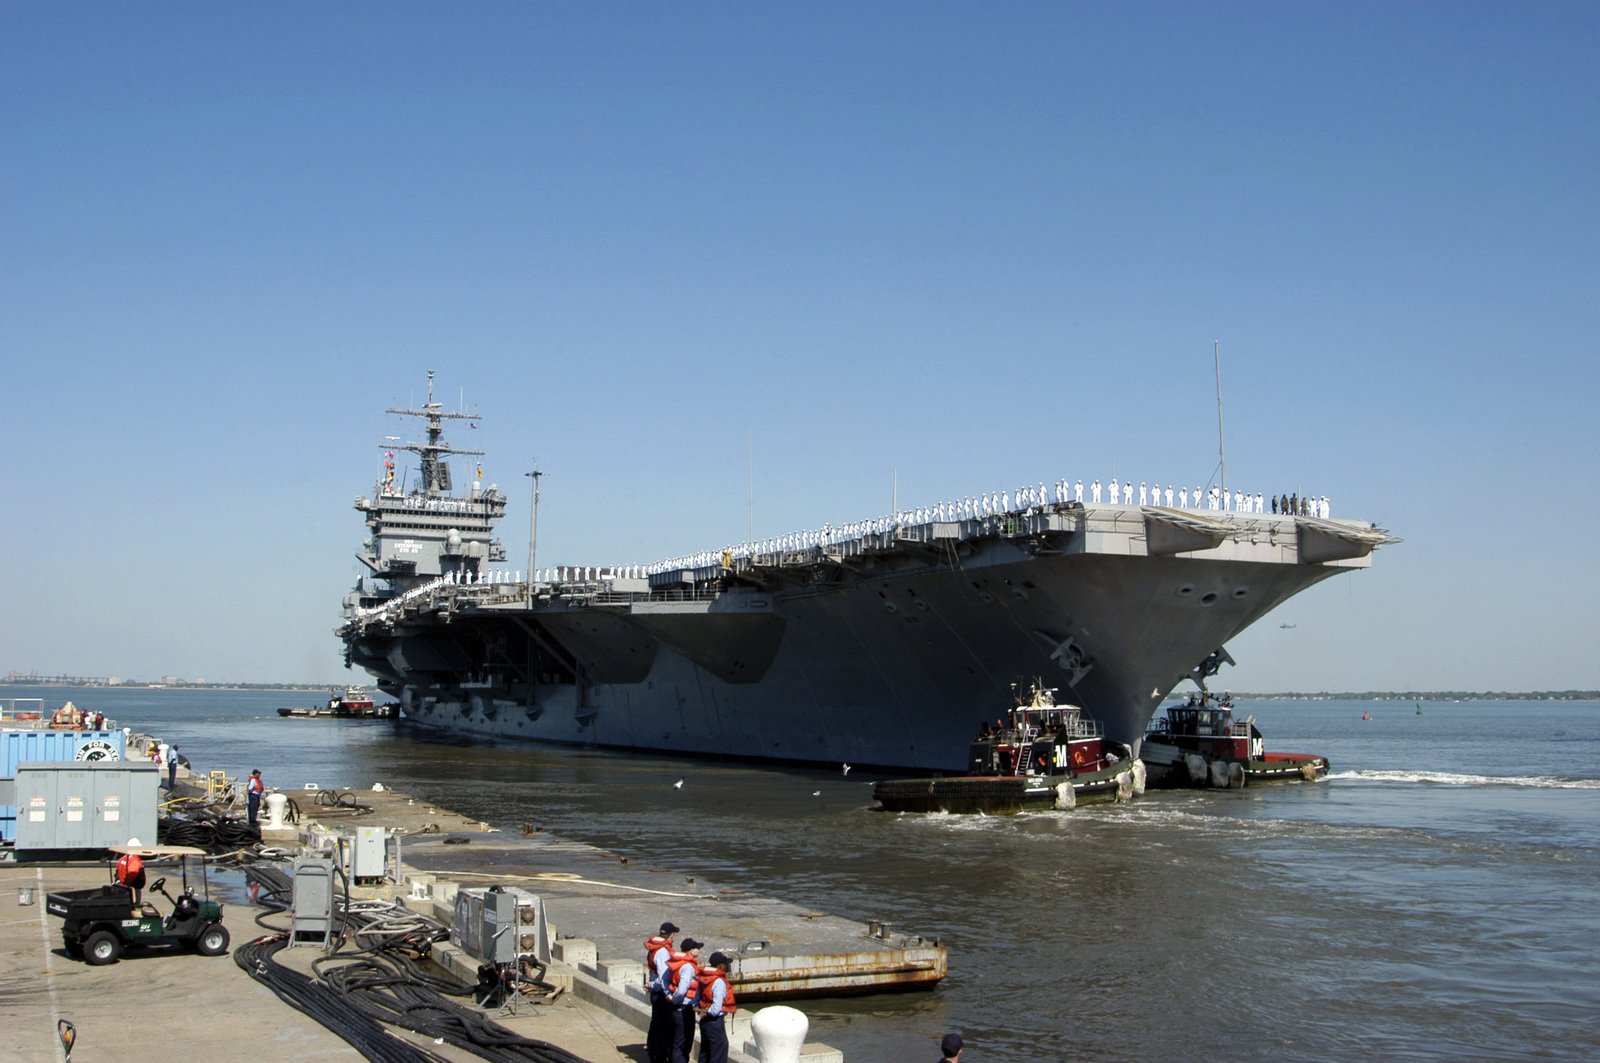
{"points": [[382, 982], [312, 997], [208, 830]]}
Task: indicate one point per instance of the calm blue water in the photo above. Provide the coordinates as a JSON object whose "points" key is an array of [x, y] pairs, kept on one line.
{"points": [[1436, 898]]}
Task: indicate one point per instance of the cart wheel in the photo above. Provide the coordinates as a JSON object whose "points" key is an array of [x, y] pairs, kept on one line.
{"points": [[213, 940], [102, 947]]}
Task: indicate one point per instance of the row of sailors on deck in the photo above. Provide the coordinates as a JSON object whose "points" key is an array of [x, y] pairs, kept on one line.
{"points": [[1028, 499], [1214, 498]]}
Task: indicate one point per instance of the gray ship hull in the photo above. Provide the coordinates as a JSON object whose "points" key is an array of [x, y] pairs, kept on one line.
{"points": [[890, 651]]}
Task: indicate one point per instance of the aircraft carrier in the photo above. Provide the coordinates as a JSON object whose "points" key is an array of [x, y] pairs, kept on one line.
{"points": [[886, 643]]}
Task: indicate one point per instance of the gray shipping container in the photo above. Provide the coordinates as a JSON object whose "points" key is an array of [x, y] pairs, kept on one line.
{"points": [[85, 804]]}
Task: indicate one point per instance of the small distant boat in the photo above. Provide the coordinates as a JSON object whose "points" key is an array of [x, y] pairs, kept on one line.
{"points": [[354, 703], [1040, 756], [1419, 708], [1366, 716], [1203, 744]]}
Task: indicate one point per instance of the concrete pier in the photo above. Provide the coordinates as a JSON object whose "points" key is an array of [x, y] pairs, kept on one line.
{"points": [[598, 908], [601, 907], [148, 1007]]}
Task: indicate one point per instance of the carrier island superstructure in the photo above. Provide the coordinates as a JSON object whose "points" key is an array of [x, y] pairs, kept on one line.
{"points": [[888, 648]]}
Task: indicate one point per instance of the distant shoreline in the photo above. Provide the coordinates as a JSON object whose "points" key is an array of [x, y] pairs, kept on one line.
{"points": [[53, 684]]}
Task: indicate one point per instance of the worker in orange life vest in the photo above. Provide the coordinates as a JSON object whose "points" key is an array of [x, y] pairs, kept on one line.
{"points": [[253, 789], [657, 952], [683, 969], [130, 873], [716, 1001]]}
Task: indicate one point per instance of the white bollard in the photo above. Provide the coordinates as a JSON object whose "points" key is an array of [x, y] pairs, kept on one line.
{"points": [[276, 803], [780, 1033]]}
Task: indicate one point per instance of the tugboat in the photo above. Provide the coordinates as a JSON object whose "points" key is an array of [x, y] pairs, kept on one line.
{"points": [[1200, 743], [355, 702], [1041, 756]]}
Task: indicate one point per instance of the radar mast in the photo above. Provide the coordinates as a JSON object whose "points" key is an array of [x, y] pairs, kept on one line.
{"points": [[435, 473]]}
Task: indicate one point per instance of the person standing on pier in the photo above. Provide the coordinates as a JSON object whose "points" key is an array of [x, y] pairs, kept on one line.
{"points": [[253, 789], [684, 970], [716, 1000], [172, 767], [658, 953]]}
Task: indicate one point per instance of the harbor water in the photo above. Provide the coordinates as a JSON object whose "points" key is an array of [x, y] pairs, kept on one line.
{"points": [[1435, 898]]}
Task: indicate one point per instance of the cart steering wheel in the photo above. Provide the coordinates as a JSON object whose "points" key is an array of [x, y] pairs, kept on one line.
{"points": [[156, 887]]}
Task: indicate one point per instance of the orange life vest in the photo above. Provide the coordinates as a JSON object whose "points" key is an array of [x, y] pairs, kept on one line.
{"points": [[652, 945], [675, 966], [709, 977], [129, 868]]}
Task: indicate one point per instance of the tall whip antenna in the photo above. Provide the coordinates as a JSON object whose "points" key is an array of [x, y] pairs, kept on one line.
{"points": [[533, 527], [1222, 450]]}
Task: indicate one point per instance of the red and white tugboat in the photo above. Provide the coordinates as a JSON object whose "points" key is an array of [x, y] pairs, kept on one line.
{"points": [[1201, 743], [1041, 756], [354, 702]]}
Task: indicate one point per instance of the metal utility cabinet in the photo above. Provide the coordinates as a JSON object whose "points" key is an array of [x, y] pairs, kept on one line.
{"points": [[368, 856], [499, 925], [313, 901], [85, 804], [31, 746]]}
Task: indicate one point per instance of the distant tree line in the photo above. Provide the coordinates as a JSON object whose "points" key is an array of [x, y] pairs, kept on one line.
{"points": [[34, 681]]}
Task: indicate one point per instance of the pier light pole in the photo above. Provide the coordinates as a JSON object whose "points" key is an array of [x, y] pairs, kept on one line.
{"points": [[533, 527]]}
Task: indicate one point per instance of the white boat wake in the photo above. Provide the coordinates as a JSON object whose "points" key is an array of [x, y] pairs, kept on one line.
{"points": [[1448, 778]]}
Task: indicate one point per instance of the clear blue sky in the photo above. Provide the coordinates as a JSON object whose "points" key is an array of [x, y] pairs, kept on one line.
{"points": [[969, 245]]}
